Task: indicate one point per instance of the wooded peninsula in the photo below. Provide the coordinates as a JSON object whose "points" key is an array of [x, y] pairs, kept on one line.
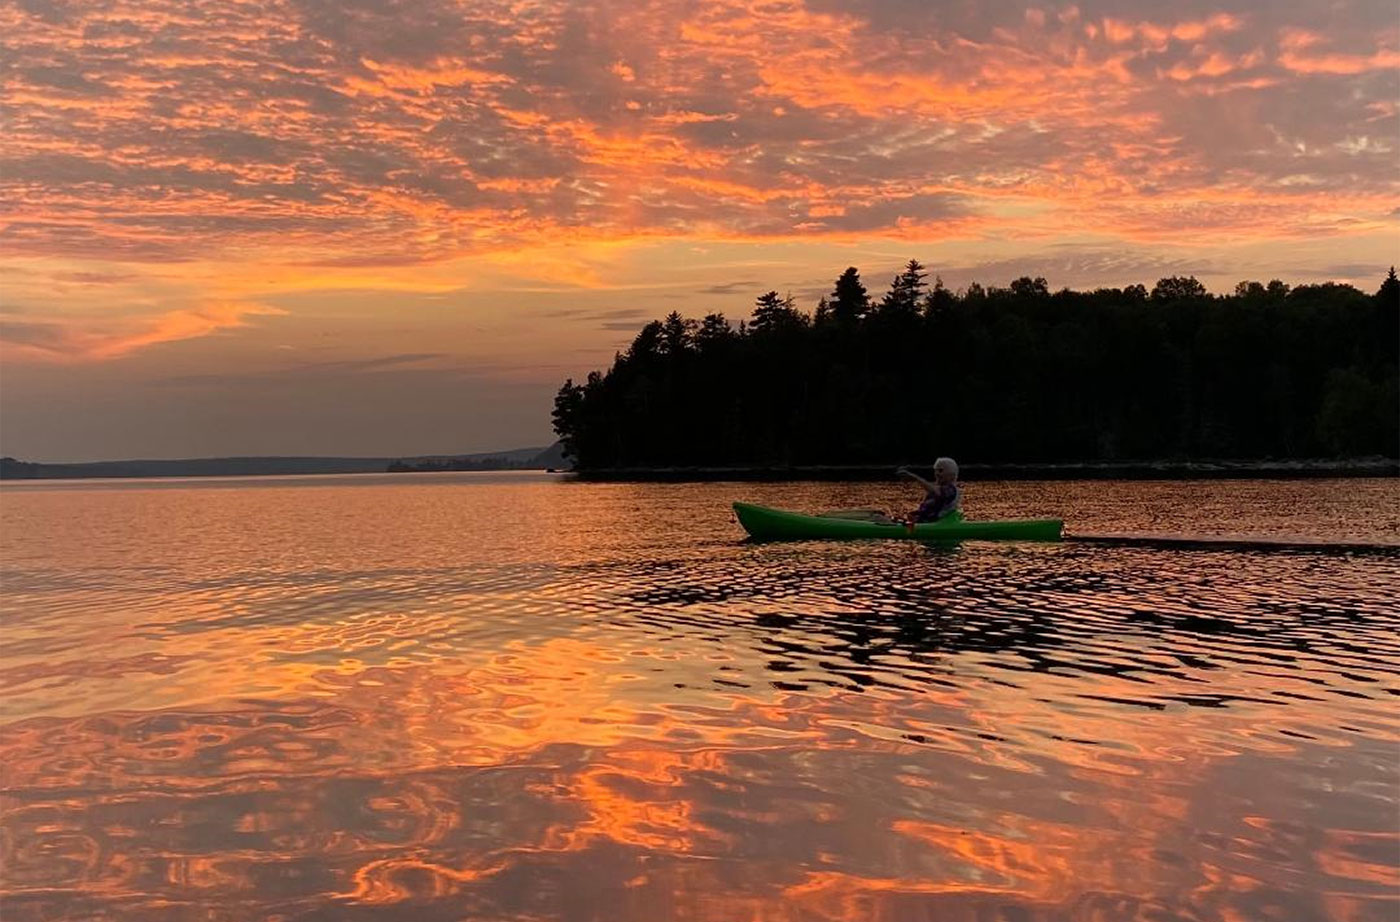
{"points": [[1001, 375]]}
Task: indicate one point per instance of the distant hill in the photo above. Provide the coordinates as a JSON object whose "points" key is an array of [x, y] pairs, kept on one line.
{"points": [[525, 459], [534, 458], [552, 458]]}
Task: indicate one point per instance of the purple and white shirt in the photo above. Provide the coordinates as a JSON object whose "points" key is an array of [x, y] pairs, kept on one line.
{"points": [[941, 501]]}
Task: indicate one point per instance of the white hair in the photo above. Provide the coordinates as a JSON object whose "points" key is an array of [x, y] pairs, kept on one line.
{"points": [[947, 464]]}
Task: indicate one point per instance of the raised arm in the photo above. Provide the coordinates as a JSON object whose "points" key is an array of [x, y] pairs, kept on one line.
{"points": [[905, 472]]}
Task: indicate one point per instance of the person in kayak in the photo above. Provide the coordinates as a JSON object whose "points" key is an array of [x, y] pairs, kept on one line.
{"points": [[942, 497]]}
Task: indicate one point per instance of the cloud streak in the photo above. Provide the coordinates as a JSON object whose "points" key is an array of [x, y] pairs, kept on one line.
{"points": [[67, 341]]}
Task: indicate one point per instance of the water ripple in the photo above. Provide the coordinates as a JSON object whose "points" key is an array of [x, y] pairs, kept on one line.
{"points": [[623, 711]]}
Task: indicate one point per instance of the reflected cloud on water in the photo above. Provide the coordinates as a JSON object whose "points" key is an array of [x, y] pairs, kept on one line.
{"points": [[705, 730]]}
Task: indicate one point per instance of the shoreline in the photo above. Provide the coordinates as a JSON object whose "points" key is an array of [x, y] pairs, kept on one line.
{"points": [[1115, 470]]}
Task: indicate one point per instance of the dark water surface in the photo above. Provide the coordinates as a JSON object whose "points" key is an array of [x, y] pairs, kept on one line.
{"points": [[434, 697]]}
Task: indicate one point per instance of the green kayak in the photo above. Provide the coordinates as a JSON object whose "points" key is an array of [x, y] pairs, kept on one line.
{"points": [[766, 524]]}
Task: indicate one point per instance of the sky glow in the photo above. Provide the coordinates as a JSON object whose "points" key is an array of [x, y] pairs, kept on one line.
{"points": [[377, 227]]}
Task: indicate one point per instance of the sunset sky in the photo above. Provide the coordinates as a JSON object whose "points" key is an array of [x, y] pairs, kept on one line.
{"points": [[382, 227]]}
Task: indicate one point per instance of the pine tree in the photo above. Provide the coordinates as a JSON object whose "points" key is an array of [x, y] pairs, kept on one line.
{"points": [[1389, 292], [850, 301], [905, 291], [773, 313], [714, 331], [677, 334], [940, 300]]}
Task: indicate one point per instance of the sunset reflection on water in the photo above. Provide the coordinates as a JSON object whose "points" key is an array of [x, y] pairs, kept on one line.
{"points": [[514, 698]]}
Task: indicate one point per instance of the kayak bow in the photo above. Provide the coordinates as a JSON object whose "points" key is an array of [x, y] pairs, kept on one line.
{"points": [[765, 524]]}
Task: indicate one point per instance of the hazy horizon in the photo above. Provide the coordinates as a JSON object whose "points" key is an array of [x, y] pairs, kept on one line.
{"points": [[371, 456], [299, 228]]}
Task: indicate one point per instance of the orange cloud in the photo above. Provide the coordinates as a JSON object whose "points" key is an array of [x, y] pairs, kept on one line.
{"points": [[1299, 57], [1156, 35], [300, 153], [65, 340], [1340, 63]]}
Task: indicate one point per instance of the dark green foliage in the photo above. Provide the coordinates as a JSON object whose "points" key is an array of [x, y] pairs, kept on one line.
{"points": [[850, 301], [677, 334], [906, 291], [1389, 295], [568, 417], [774, 315], [1351, 405], [1003, 374], [1027, 287], [1178, 288], [940, 299], [714, 334]]}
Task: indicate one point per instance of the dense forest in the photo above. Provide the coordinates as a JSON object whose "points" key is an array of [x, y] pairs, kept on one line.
{"points": [[1015, 374]]}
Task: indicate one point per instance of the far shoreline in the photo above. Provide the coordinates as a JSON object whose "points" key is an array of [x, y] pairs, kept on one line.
{"points": [[1092, 470]]}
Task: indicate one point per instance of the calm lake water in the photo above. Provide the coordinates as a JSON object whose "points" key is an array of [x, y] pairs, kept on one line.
{"points": [[443, 697]]}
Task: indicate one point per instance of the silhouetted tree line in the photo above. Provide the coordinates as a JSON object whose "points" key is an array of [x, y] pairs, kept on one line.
{"points": [[1015, 374]]}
